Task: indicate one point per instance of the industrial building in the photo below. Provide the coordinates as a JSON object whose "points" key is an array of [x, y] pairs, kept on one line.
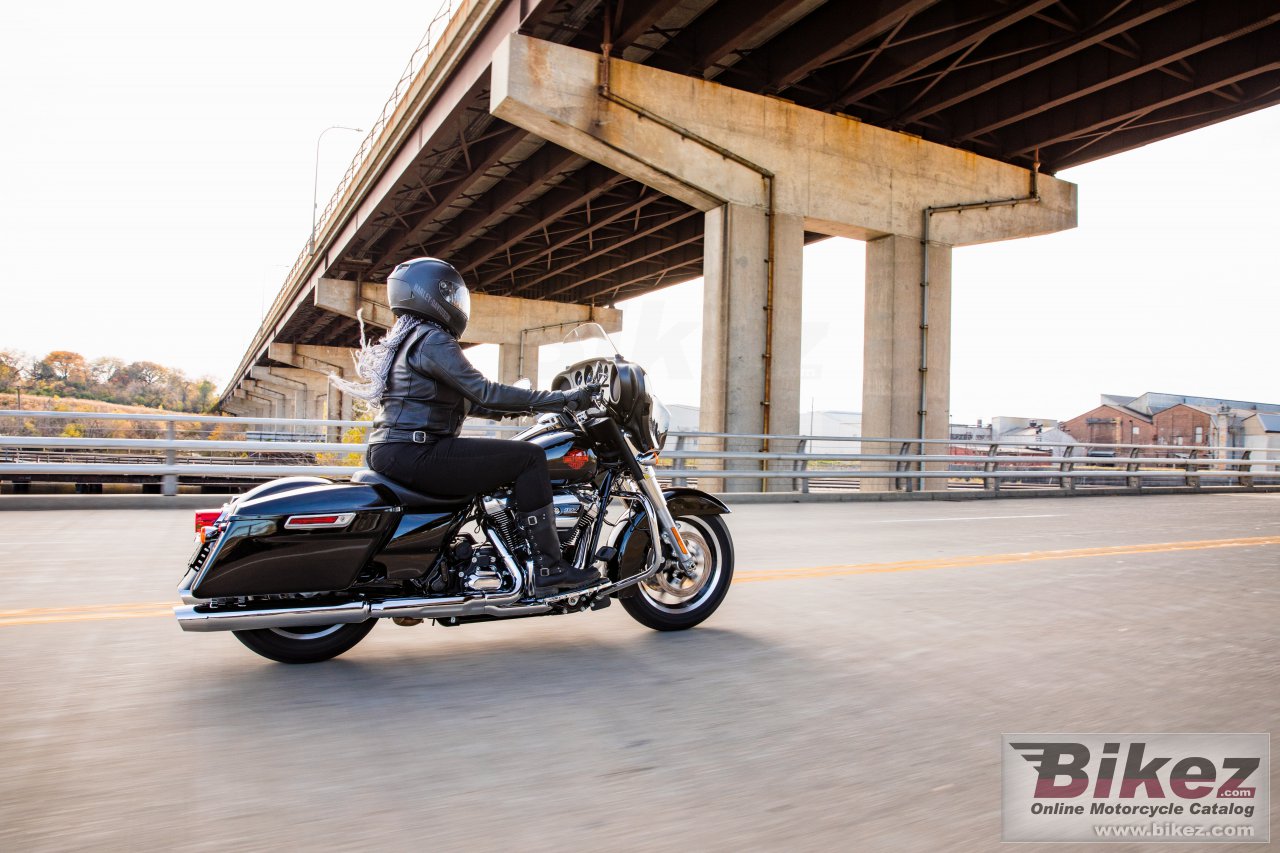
{"points": [[1176, 420]]}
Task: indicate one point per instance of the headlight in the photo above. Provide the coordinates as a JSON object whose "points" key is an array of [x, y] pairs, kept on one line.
{"points": [[659, 422]]}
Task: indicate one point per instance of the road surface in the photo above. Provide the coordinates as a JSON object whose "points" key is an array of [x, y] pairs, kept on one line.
{"points": [[849, 695]]}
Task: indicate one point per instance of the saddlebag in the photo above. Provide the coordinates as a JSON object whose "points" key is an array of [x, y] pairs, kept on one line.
{"points": [[312, 538]]}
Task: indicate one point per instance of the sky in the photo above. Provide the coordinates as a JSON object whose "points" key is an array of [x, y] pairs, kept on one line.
{"points": [[160, 162]]}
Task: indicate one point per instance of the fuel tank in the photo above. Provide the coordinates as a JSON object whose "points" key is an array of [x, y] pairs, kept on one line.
{"points": [[569, 461]]}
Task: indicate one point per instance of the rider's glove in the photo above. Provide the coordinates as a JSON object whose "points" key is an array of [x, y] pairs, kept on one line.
{"points": [[581, 397]]}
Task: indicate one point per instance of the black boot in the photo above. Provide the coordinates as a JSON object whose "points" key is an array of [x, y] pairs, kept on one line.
{"points": [[552, 572]]}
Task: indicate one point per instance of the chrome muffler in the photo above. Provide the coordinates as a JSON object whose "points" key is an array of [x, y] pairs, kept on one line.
{"points": [[200, 618]]}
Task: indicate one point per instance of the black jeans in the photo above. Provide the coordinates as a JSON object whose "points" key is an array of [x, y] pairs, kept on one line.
{"points": [[467, 466]]}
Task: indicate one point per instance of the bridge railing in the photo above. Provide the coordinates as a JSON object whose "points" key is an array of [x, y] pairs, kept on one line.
{"points": [[164, 452]]}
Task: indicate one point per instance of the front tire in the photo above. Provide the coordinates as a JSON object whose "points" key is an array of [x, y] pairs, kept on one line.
{"points": [[666, 603], [305, 644]]}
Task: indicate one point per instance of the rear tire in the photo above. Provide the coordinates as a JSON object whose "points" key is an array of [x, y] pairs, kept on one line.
{"points": [[665, 604], [305, 643]]}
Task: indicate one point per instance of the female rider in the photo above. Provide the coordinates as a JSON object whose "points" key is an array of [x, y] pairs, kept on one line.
{"points": [[424, 387]]}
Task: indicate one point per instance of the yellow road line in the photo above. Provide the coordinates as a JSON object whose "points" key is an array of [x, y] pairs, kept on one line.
{"points": [[73, 616], [85, 608], [1000, 559], [144, 610]]}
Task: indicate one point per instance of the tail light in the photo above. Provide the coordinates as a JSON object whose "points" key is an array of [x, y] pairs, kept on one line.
{"points": [[313, 522], [205, 518], [206, 521]]}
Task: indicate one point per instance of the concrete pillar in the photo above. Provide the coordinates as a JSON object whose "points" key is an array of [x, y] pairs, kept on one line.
{"points": [[241, 404], [294, 391], [271, 400], [321, 361], [515, 361], [836, 174], [237, 406], [891, 373], [735, 293]]}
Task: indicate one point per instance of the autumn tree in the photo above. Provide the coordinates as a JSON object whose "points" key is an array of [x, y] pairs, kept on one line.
{"points": [[103, 370], [204, 395], [63, 373], [63, 367], [14, 367]]}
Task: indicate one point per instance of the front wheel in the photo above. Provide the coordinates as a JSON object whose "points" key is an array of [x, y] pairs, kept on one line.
{"points": [[305, 643], [669, 602]]}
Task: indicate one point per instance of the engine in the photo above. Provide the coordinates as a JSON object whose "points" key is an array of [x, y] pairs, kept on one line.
{"points": [[479, 567], [575, 510], [484, 571]]}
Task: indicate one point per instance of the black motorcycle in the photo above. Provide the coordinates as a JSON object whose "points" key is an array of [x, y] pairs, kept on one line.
{"points": [[300, 569]]}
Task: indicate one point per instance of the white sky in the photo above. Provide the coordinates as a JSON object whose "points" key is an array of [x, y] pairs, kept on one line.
{"points": [[158, 177]]}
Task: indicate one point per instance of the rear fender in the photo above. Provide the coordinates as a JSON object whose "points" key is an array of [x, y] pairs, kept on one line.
{"points": [[275, 487], [633, 539]]}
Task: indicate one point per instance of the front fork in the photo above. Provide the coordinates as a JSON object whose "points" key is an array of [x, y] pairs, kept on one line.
{"points": [[664, 524]]}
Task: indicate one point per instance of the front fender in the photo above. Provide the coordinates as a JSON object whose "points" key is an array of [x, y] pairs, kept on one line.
{"points": [[685, 501], [633, 538]]}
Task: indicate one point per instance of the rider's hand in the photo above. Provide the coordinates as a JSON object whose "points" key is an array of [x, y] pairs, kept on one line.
{"points": [[581, 397]]}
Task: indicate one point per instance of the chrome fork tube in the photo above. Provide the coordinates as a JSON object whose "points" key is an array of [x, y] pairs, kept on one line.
{"points": [[660, 514]]}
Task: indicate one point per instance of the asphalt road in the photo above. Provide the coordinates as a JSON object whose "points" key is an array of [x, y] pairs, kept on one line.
{"points": [[849, 695]]}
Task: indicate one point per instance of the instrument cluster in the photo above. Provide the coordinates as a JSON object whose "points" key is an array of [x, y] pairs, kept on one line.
{"points": [[624, 390], [600, 371]]}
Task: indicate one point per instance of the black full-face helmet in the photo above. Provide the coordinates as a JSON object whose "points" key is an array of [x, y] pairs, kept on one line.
{"points": [[433, 289]]}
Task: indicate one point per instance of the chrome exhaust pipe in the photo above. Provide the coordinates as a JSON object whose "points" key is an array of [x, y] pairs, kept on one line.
{"points": [[201, 619], [195, 617]]}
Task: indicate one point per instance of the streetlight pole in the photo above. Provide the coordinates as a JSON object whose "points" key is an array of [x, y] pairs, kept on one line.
{"points": [[315, 186]]}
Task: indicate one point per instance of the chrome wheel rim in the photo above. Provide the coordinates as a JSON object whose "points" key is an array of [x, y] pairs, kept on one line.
{"points": [[307, 632], [671, 593]]}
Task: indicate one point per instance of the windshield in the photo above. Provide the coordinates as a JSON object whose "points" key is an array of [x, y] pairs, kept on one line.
{"points": [[587, 342]]}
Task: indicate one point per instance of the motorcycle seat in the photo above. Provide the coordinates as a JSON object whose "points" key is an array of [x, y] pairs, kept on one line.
{"points": [[409, 497]]}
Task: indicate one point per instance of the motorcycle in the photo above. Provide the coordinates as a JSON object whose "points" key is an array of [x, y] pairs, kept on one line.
{"points": [[300, 569]]}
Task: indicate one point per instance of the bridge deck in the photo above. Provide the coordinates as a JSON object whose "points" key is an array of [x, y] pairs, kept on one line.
{"points": [[843, 697], [1074, 81]]}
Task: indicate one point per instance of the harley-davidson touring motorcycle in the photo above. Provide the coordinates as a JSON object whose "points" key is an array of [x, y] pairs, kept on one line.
{"points": [[300, 569]]}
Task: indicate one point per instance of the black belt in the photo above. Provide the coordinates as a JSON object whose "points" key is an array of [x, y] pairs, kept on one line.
{"points": [[417, 436]]}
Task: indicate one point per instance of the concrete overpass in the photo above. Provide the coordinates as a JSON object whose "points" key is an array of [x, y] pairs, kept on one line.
{"points": [[567, 154]]}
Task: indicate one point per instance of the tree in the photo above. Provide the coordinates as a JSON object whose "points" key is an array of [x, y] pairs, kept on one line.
{"points": [[63, 373], [14, 367], [64, 368], [144, 373], [103, 370], [203, 396]]}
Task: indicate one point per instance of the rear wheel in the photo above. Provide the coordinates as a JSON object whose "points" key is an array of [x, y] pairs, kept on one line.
{"points": [[305, 643], [672, 601]]}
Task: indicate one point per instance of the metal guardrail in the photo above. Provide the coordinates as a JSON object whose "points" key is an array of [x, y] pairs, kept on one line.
{"points": [[227, 454]]}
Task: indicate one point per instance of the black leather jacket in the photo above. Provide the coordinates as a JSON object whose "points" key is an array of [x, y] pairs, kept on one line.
{"points": [[432, 388]]}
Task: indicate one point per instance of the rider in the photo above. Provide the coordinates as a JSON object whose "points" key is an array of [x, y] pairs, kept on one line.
{"points": [[428, 387]]}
